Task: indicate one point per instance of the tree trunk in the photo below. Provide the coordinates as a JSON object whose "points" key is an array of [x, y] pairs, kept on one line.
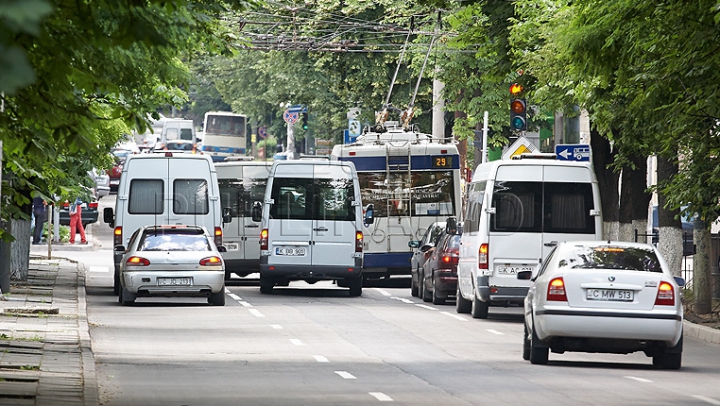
{"points": [[20, 250], [634, 200], [603, 156], [669, 227], [702, 282]]}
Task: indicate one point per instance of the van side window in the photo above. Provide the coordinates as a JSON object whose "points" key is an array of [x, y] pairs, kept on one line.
{"points": [[308, 199], [290, 196], [190, 196], [230, 192], [473, 209], [146, 196], [567, 208], [332, 200], [518, 207]]}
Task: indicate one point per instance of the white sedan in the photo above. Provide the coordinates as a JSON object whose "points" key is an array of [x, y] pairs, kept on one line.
{"points": [[172, 260], [605, 297]]}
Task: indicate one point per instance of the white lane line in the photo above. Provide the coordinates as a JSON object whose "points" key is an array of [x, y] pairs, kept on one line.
{"points": [[425, 306], [345, 375], [707, 399], [245, 304], [320, 358], [494, 332], [383, 292], [256, 312], [296, 341], [234, 296], [402, 299], [277, 327], [455, 316], [635, 378], [381, 396]]}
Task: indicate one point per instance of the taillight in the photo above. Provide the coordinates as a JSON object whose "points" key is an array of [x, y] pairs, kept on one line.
{"points": [[665, 295], [93, 205], [358, 241], [211, 261], [117, 236], [264, 239], [137, 261], [483, 256], [218, 236], [449, 259], [556, 290]]}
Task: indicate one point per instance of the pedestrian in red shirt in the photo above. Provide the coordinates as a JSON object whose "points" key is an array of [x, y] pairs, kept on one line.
{"points": [[76, 222]]}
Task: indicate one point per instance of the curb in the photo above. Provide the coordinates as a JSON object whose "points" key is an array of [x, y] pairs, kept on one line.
{"points": [[704, 333], [90, 387]]}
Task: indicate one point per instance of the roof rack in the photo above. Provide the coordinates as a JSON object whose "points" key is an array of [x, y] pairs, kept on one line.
{"points": [[239, 158], [535, 155]]}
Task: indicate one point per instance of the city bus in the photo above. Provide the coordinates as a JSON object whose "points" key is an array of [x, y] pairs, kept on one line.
{"points": [[413, 180], [225, 134]]}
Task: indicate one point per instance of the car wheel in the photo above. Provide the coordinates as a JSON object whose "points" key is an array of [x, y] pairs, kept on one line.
{"points": [[526, 343], [462, 305], [228, 275], [126, 297], [116, 283], [266, 284], [435, 298], [426, 294], [355, 286], [217, 299], [538, 352], [670, 358], [479, 308], [413, 286]]}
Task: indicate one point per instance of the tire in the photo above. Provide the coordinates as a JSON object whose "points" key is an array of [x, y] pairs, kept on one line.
{"points": [[670, 358], [116, 283], [413, 286], [479, 309], [462, 305], [127, 298], [266, 284], [228, 275], [437, 300], [355, 286], [538, 352], [426, 295], [526, 343], [217, 299]]}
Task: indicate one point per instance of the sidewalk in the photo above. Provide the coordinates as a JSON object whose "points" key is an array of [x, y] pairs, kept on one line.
{"points": [[45, 352]]}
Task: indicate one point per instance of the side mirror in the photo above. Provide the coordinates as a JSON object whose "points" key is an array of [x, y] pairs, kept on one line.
{"points": [[451, 226], [369, 214], [221, 248], [413, 244], [679, 280], [109, 216], [524, 275], [119, 248], [227, 215], [256, 212]]}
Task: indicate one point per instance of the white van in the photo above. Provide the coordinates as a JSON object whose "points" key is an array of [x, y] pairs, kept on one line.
{"points": [[241, 184], [312, 224], [160, 189], [177, 129], [516, 212]]}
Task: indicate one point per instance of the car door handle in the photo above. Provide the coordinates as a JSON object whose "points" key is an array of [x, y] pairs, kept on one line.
{"points": [[551, 244], [320, 229], [251, 226]]}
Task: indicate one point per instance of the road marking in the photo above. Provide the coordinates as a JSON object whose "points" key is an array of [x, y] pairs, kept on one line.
{"points": [[256, 312], [707, 399], [245, 304], [455, 316], [296, 341], [402, 299], [425, 306], [494, 332], [320, 358], [381, 396], [345, 375], [235, 297], [635, 378], [384, 293], [277, 327]]}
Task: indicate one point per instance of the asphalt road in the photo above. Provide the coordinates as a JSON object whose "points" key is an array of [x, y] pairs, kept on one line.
{"points": [[314, 345]]}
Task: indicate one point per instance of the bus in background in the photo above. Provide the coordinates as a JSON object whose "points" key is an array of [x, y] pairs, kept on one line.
{"points": [[225, 134], [413, 180]]}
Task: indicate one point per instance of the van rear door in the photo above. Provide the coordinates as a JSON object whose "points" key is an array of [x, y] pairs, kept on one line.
{"points": [[192, 199], [254, 181], [334, 216]]}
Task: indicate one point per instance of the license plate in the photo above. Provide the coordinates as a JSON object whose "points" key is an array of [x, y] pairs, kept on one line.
{"points": [[232, 246], [513, 269], [114, 182], [174, 281], [610, 295], [295, 252]]}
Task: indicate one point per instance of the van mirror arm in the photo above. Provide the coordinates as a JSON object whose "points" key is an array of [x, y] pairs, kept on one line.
{"points": [[256, 212], [227, 215]]}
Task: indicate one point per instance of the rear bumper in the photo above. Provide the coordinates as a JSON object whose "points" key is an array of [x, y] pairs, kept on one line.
{"points": [[146, 283], [310, 272]]}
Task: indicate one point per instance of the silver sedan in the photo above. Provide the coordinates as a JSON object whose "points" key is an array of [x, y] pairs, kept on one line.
{"points": [[605, 297], [172, 260]]}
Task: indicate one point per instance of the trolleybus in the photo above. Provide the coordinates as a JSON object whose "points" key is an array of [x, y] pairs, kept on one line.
{"points": [[413, 180], [225, 134]]}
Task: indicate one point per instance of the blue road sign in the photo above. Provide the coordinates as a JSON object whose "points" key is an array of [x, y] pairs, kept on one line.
{"points": [[573, 152]]}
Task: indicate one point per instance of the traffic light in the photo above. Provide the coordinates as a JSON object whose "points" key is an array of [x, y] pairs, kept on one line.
{"points": [[304, 121], [518, 108]]}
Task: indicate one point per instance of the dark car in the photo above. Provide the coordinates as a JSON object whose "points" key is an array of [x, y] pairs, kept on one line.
{"points": [[114, 173], [420, 253], [89, 213], [438, 278]]}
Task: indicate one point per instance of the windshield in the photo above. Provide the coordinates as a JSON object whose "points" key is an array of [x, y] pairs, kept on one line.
{"points": [[609, 257]]}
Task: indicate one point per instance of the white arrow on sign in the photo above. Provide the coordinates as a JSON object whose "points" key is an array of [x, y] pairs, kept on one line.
{"points": [[565, 153]]}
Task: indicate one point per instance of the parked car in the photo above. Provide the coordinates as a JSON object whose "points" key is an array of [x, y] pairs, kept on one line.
{"points": [[114, 173], [101, 182], [89, 213], [438, 277], [607, 297], [420, 253], [172, 260]]}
